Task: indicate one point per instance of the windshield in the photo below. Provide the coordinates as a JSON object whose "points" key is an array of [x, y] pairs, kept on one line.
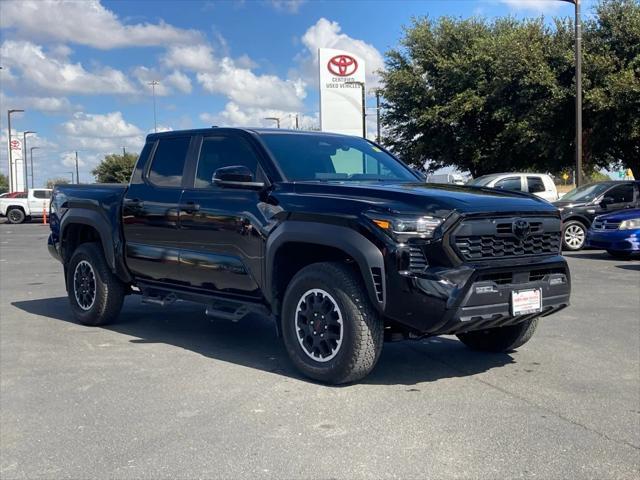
{"points": [[311, 157], [586, 193], [481, 181]]}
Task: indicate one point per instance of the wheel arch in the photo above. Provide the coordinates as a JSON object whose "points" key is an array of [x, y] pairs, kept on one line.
{"points": [[81, 226], [578, 218], [329, 243]]}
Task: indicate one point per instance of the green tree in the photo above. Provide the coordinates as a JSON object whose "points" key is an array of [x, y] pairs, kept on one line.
{"points": [[612, 91], [52, 182], [4, 183], [115, 168]]}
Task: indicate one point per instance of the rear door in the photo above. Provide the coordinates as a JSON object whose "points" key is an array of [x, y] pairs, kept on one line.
{"points": [[623, 196], [150, 210], [38, 201], [221, 227]]}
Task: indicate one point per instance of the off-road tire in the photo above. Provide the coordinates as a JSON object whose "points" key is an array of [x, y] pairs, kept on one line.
{"points": [[16, 216], [573, 225], [501, 339], [109, 290], [362, 328]]}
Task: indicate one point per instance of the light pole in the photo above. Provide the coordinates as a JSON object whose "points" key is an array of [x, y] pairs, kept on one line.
{"points": [[31, 161], [153, 84], [77, 173], [364, 106], [275, 119], [24, 158], [578, 57], [377, 115], [11, 179], [72, 179]]}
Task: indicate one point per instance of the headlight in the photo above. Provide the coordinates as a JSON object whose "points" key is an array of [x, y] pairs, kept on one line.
{"points": [[402, 227], [630, 224]]}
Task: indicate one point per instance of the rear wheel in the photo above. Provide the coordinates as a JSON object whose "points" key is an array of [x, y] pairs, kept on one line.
{"points": [[16, 215], [330, 330], [502, 339], [95, 293], [574, 235]]}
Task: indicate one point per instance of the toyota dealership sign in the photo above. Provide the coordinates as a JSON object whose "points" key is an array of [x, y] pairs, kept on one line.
{"points": [[340, 100]]}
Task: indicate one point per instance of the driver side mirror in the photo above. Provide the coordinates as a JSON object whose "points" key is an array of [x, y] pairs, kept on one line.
{"points": [[606, 201], [236, 176]]}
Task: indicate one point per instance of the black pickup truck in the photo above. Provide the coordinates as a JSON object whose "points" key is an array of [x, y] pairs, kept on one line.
{"points": [[332, 236]]}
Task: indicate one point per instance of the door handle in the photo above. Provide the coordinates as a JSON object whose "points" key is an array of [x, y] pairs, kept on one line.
{"points": [[189, 207], [133, 203]]}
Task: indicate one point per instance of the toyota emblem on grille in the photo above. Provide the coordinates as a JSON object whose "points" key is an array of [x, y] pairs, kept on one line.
{"points": [[521, 228]]}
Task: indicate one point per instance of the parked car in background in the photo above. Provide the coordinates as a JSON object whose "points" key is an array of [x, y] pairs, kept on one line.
{"points": [[618, 233], [14, 195], [582, 205], [33, 204], [450, 178], [540, 184]]}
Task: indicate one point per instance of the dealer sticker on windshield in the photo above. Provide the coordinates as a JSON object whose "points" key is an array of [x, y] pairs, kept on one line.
{"points": [[524, 302]]}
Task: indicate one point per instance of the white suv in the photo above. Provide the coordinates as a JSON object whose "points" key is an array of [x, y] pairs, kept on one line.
{"points": [[17, 210], [540, 184]]}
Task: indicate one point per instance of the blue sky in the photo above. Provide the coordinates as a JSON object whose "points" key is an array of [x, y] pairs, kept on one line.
{"points": [[81, 69]]}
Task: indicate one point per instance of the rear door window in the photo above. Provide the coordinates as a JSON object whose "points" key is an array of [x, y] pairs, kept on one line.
{"points": [[509, 183], [168, 161], [621, 193], [45, 194]]}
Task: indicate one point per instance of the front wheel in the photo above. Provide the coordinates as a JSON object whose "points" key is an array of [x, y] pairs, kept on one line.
{"points": [[330, 329], [95, 293], [574, 235], [501, 339]]}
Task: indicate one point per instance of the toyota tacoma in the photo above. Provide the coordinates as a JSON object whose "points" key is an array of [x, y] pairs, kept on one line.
{"points": [[331, 236]]}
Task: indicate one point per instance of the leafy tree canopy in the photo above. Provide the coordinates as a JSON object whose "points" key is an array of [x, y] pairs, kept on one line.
{"points": [[115, 168]]}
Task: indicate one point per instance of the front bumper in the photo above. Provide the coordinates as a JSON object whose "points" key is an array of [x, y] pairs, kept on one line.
{"points": [[448, 300], [616, 240]]}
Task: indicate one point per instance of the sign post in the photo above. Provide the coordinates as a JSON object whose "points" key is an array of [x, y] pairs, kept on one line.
{"points": [[342, 89]]}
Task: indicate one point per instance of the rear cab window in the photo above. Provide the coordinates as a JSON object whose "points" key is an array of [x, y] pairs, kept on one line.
{"points": [[44, 194], [535, 184]]}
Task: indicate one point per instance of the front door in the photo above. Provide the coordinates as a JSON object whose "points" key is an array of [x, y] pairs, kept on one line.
{"points": [[221, 227], [150, 210]]}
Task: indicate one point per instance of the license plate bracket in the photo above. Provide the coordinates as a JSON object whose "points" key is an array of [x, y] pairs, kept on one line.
{"points": [[526, 302]]}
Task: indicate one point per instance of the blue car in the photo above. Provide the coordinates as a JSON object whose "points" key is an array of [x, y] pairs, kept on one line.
{"points": [[618, 233]]}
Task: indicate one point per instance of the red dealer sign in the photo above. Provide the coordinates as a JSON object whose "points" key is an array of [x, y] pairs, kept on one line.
{"points": [[342, 65]]}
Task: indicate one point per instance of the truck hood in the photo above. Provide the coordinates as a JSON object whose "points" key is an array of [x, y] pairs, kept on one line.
{"points": [[422, 197]]}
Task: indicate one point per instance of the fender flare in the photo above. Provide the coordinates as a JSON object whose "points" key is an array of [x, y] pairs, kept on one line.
{"points": [[363, 251], [579, 218], [92, 219]]}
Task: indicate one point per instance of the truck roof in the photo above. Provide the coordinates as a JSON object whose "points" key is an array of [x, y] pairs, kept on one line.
{"points": [[259, 131]]}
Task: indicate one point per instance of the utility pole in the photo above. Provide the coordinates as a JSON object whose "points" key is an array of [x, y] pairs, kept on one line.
{"points": [[31, 161], [297, 122], [578, 59], [377, 115], [364, 106], [24, 157], [153, 84], [11, 179], [124, 152], [77, 174]]}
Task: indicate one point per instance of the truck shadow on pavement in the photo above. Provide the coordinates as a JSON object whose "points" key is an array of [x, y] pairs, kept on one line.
{"points": [[253, 343]]}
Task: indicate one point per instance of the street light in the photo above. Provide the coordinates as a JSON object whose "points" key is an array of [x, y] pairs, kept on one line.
{"points": [[77, 173], [24, 158], [153, 84], [275, 119], [364, 106], [72, 179], [578, 55], [31, 161], [11, 179]]}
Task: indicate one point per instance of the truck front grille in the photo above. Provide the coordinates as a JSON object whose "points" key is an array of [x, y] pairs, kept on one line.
{"points": [[482, 239]]}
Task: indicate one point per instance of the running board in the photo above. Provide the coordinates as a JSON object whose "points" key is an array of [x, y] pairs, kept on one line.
{"points": [[161, 300]]}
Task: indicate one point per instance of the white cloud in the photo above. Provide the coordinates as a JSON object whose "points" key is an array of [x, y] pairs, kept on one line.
{"points": [[327, 34], [244, 87], [289, 6], [235, 115], [166, 85], [197, 58], [179, 81], [46, 74], [541, 6], [42, 104], [110, 125], [68, 159], [86, 22]]}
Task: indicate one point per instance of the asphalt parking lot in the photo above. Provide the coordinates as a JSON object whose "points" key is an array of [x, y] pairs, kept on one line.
{"points": [[168, 393]]}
